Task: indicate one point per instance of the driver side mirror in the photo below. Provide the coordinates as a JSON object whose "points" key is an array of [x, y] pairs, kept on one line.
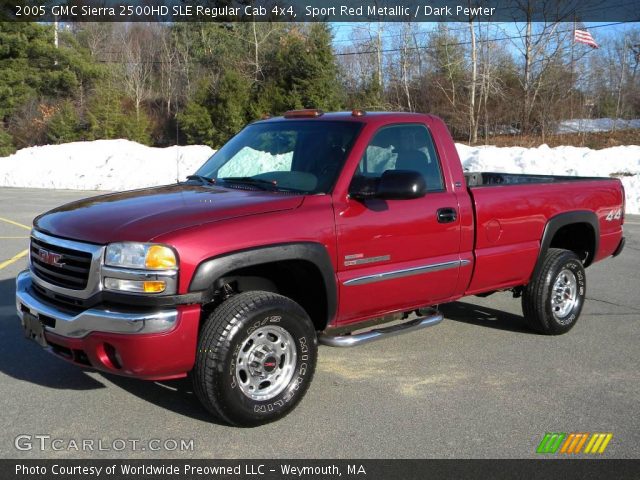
{"points": [[394, 185]]}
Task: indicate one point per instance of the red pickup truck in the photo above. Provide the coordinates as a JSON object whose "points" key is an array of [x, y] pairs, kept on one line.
{"points": [[302, 229]]}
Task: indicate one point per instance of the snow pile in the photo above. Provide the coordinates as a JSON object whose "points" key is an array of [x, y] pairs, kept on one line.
{"points": [[623, 161], [123, 165], [100, 165], [596, 125]]}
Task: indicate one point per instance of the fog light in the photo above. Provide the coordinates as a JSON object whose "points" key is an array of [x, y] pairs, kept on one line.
{"points": [[135, 286], [113, 355], [154, 287]]}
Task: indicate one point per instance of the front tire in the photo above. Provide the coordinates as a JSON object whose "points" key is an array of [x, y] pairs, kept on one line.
{"points": [[553, 300], [256, 358]]}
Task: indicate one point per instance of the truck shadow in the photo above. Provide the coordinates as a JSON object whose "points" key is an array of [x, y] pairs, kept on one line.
{"points": [[485, 317], [25, 360], [176, 396]]}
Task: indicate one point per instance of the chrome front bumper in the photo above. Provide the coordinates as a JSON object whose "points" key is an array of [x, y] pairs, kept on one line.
{"points": [[91, 320]]}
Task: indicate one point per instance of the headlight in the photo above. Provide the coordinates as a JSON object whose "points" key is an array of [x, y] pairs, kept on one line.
{"points": [[144, 256]]}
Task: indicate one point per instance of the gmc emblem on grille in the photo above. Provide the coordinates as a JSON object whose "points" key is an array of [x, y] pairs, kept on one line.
{"points": [[50, 258]]}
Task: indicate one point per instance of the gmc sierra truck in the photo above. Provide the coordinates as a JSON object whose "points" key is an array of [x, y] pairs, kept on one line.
{"points": [[304, 229]]}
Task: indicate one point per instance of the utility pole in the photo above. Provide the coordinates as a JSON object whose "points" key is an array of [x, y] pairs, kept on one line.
{"points": [[55, 36], [55, 32]]}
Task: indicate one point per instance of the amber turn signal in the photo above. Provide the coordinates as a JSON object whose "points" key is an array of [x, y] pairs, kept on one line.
{"points": [[160, 257], [153, 287]]}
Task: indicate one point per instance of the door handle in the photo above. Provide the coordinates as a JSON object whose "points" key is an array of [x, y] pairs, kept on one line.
{"points": [[446, 215]]}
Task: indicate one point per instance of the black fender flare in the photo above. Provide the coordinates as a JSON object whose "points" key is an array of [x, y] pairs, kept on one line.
{"points": [[562, 220], [213, 268]]}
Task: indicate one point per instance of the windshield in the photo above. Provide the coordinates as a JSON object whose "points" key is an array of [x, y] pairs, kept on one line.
{"points": [[300, 156]]}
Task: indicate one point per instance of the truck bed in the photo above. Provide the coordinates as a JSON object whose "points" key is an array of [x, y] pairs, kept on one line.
{"points": [[482, 179], [510, 219]]}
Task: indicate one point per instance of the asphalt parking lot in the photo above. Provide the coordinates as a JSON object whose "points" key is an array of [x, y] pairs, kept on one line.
{"points": [[477, 385]]}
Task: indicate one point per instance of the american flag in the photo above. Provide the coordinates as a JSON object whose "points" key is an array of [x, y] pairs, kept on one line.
{"points": [[581, 35]]}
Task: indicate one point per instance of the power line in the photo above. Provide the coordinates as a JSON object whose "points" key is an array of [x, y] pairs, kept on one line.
{"points": [[426, 32], [393, 50], [420, 32], [429, 47], [494, 24]]}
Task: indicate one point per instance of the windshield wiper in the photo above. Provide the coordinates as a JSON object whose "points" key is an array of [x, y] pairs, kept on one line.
{"points": [[202, 178], [261, 183], [258, 182]]}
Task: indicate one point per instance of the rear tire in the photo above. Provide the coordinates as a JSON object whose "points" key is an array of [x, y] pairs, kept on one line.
{"points": [[256, 358], [553, 300]]}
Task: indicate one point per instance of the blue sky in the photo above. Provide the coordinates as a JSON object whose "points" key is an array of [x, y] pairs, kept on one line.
{"points": [[342, 30]]}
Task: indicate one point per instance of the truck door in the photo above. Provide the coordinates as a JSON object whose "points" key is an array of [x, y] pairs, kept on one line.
{"points": [[394, 254]]}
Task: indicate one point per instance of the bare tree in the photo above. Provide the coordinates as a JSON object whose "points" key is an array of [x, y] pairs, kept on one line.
{"points": [[169, 67], [446, 56], [137, 62], [538, 48], [406, 61], [361, 65], [97, 38], [379, 53], [492, 84], [260, 34]]}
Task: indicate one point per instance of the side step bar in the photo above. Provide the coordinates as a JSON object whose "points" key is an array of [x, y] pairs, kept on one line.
{"points": [[378, 333]]}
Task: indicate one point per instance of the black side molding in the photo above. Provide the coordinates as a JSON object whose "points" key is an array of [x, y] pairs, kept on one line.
{"points": [[568, 218], [212, 269]]}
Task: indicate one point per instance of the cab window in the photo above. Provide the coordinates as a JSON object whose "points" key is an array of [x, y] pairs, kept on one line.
{"points": [[400, 147]]}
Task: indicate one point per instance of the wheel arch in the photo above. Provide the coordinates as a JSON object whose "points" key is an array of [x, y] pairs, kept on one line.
{"points": [[274, 268], [578, 231]]}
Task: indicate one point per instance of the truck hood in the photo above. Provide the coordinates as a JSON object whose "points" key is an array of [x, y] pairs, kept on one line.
{"points": [[141, 215]]}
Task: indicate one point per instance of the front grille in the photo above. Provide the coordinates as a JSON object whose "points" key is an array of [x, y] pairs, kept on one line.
{"points": [[73, 271], [67, 304]]}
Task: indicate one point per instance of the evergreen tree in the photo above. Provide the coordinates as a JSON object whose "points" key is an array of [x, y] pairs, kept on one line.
{"points": [[229, 106], [303, 72], [31, 66], [109, 117], [195, 123], [6, 143], [64, 125]]}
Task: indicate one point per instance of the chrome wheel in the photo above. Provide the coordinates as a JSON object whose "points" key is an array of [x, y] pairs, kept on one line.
{"points": [[266, 362], [564, 295]]}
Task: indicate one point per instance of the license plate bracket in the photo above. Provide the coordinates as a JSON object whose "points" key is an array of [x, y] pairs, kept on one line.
{"points": [[33, 329]]}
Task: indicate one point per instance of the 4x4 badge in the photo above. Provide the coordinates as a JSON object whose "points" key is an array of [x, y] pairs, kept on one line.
{"points": [[614, 215]]}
